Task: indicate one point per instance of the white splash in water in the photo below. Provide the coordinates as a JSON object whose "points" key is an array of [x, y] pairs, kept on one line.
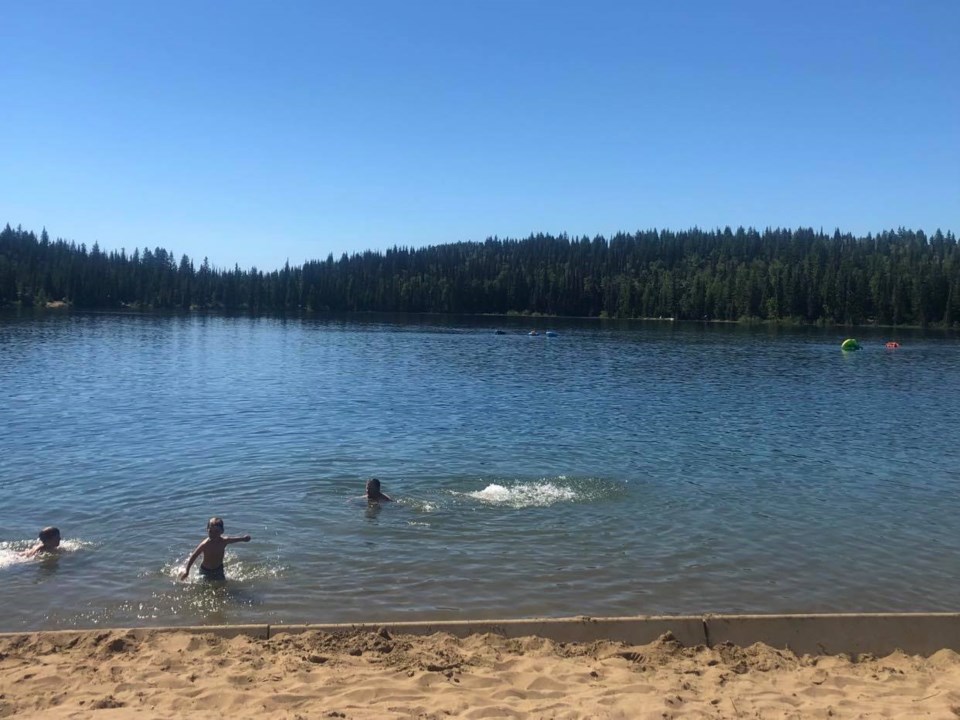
{"points": [[253, 570], [424, 506], [74, 545], [234, 569], [538, 494], [10, 557]]}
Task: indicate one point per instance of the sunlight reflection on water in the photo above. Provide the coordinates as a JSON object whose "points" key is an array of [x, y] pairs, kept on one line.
{"points": [[614, 469]]}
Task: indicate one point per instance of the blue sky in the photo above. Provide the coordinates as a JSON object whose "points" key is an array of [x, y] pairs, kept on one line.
{"points": [[257, 132]]}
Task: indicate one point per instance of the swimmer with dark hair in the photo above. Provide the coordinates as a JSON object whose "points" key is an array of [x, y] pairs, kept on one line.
{"points": [[374, 493], [49, 543]]}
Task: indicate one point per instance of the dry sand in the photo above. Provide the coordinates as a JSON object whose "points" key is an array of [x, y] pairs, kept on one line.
{"points": [[122, 674]]}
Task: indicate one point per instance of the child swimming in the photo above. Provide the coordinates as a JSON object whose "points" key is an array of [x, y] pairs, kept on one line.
{"points": [[49, 543], [212, 549], [373, 491]]}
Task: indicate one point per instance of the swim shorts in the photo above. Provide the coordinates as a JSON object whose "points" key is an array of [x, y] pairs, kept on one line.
{"points": [[212, 573]]}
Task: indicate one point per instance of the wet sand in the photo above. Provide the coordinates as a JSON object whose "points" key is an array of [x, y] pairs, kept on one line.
{"points": [[353, 674]]}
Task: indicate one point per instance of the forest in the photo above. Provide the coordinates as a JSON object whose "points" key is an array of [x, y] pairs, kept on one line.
{"points": [[900, 277]]}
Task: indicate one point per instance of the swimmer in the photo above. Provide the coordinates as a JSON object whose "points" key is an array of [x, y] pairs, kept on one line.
{"points": [[212, 549], [49, 543], [373, 492]]}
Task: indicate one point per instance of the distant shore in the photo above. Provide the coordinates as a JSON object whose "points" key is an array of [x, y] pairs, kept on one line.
{"points": [[59, 305]]}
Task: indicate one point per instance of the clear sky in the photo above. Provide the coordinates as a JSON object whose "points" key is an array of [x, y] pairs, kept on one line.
{"points": [[256, 132]]}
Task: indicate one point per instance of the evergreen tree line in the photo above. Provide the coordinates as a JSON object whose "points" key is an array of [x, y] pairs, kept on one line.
{"points": [[895, 277]]}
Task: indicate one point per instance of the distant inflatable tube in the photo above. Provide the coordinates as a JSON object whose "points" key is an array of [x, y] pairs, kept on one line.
{"points": [[849, 345], [892, 345]]}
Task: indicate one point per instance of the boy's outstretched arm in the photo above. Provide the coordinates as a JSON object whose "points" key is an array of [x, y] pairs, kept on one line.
{"points": [[196, 553], [240, 538]]}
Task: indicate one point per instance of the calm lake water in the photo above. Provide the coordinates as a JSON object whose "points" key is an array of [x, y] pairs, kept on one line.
{"points": [[614, 469]]}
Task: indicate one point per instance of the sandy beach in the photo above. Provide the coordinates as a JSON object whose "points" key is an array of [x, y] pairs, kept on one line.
{"points": [[378, 674]]}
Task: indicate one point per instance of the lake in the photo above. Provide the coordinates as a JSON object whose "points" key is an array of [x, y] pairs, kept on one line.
{"points": [[615, 469]]}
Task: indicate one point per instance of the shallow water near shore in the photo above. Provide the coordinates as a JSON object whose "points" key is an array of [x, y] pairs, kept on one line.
{"points": [[615, 469]]}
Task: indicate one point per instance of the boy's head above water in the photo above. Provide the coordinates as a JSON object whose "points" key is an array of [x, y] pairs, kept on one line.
{"points": [[215, 526], [50, 537], [374, 492]]}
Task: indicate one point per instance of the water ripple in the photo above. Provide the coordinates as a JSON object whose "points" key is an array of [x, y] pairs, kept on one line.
{"points": [[618, 469]]}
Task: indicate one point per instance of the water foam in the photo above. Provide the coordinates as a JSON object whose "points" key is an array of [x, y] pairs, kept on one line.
{"points": [[235, 569], [10, 557], [417, 505], [536, 494]]}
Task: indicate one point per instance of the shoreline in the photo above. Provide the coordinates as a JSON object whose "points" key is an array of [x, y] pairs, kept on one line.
{"points": [[63, 306], [811, 634], [429, 671]]}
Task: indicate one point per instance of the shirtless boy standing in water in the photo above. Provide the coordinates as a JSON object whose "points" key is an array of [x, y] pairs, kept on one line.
{"points": [[212, 549]]}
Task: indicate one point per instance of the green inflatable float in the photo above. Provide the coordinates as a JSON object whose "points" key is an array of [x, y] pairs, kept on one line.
{"points": [[849, 345]]}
